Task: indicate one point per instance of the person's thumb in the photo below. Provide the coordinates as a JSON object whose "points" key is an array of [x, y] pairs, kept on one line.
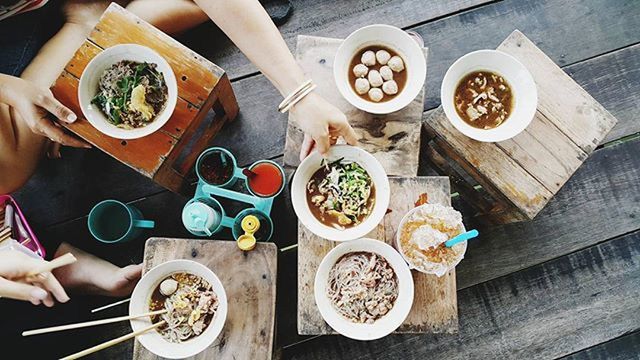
{"points": [[56, 108], [322, 144], [20, 291], [349, 135]]}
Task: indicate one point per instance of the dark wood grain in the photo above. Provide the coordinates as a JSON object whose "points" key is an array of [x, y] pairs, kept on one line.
{"points": [[330, 19], [622, 348], [545, 311]]}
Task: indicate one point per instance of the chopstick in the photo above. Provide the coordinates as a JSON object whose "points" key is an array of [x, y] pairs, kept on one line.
{"points": [[109, 343], [90, 323], [110, 305]]}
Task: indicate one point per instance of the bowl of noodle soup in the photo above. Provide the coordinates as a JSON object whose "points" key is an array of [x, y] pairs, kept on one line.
{"points": [[364, 289], [196, 304]]}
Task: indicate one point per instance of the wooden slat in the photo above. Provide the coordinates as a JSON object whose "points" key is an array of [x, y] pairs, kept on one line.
{"points": [[196, 76], [522, 189], [546, 311], [434, 308], [623, 348], [597, 203], [568, 106], [390, 138], [249, 280]]}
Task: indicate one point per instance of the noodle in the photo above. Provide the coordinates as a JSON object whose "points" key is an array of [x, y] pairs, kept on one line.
{"points": [[362, 287], [190, 309]]}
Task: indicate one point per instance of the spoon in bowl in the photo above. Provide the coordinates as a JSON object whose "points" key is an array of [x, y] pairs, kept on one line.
{"points": [[462, 237]]}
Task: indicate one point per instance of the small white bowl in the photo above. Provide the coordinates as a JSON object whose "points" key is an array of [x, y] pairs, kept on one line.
{"points": [[462, 246], [311, 164], [395, 39], [88, 88], [525, 94], [390, 321], [152, 340]]}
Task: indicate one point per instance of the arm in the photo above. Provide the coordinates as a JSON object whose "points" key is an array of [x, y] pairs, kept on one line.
{"points": [[248, 25]]}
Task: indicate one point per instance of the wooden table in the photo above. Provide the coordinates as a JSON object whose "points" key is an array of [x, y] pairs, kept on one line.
{"points": [[564, 284]]}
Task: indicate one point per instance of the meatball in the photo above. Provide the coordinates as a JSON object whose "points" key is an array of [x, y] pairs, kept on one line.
{"points": [[386, 73], [362, 86], [368, 58], [375, 79], [396, 64], [382, 56], [360, 70], [390, 87], [375, 94]]}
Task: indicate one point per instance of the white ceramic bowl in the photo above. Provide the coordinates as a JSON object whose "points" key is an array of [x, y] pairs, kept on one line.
{"points": [[312, 163], [386, 324], [398, 244], [395, 39], [90, 78], [139, 304], [523, 88]]}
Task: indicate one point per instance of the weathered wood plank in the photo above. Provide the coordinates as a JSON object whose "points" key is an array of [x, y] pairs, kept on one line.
{"points": [[391, 138], [622, 348], [545, 311], [592, 32], [321, 18], [250, 285], [600, 201], [435, 306]]}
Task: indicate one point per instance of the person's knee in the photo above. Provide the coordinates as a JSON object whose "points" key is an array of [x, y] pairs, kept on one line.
{"points": [[12, 176]]}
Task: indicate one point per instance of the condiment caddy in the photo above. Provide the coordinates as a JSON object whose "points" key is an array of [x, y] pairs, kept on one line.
{"points": [[218, 172]]}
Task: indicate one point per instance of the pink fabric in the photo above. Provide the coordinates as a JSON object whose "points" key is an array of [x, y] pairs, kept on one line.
{"points": [[34, 245]]}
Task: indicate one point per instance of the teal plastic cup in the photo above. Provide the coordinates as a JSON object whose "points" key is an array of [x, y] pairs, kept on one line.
{"points": [[112, 221]]}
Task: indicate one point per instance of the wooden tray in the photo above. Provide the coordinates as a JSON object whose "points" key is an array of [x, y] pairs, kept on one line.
{"points": [[249, 279], [522, 174], [390, 138], [167, 155], [435, 304]]}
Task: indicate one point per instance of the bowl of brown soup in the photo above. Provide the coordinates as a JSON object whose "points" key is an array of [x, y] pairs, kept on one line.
{"points": [[343, 196], [489, 95], [379, 69]]}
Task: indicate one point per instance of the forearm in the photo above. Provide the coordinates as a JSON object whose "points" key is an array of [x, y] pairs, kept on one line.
{"points": [[248, 25], [172, 17]]}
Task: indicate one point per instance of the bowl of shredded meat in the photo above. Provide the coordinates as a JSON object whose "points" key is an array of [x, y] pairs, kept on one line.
{"points": [[128, 91]]}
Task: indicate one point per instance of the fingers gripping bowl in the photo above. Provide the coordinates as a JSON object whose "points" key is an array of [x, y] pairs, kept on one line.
{"points": [[364, 289], [197, 305], [128, 91], [343, 197]]}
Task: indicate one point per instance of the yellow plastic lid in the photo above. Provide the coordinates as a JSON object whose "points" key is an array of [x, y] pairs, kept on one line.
{"points": [[250, 224], [246, 242]]}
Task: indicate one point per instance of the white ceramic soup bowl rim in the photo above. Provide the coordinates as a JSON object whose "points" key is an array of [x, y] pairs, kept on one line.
{"points": [[390, 321], [139, 304], [390, 37], [88, 88], [311, 164], [523, 88], [398, 244]]}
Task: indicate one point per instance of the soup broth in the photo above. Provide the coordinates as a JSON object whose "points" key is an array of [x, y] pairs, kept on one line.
{"points": [[341, 194], [483, 99], [399, 77], [190, 307]]}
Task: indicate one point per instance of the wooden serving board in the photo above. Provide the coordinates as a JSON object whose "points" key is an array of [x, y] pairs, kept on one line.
{"points": [[391, 138], [167, 155], [249, 280], [435, 305], [522, 174]]}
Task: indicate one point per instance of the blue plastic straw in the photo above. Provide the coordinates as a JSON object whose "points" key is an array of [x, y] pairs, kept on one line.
{"points": [[462, 237]]}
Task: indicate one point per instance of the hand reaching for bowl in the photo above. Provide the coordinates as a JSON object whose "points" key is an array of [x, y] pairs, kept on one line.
{"points": [[33, 103], [41, 289], [322, 124]]}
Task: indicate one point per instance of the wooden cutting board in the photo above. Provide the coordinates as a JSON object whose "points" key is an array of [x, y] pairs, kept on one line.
{"points": [[249, 279], [435, 304]]}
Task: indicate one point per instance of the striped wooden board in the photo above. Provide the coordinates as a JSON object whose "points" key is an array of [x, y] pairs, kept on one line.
{"points": [[167, 155], [435, 305], [522, 174], [249, 280]]}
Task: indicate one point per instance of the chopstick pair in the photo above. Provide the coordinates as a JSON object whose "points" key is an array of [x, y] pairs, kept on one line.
{"points": [[48, 266]]}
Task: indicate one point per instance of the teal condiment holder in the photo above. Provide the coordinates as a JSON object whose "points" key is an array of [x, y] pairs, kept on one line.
{"points": [[205, 216]]}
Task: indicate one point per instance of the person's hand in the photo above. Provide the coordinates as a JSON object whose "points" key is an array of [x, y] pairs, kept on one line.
{"points": [[41, 289], [33, 103], [322, 124]]}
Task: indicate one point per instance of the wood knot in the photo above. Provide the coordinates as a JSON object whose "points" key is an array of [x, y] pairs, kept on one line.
{"points": [[322, 61], [264, 276], [194, 253], [123, 143]]}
